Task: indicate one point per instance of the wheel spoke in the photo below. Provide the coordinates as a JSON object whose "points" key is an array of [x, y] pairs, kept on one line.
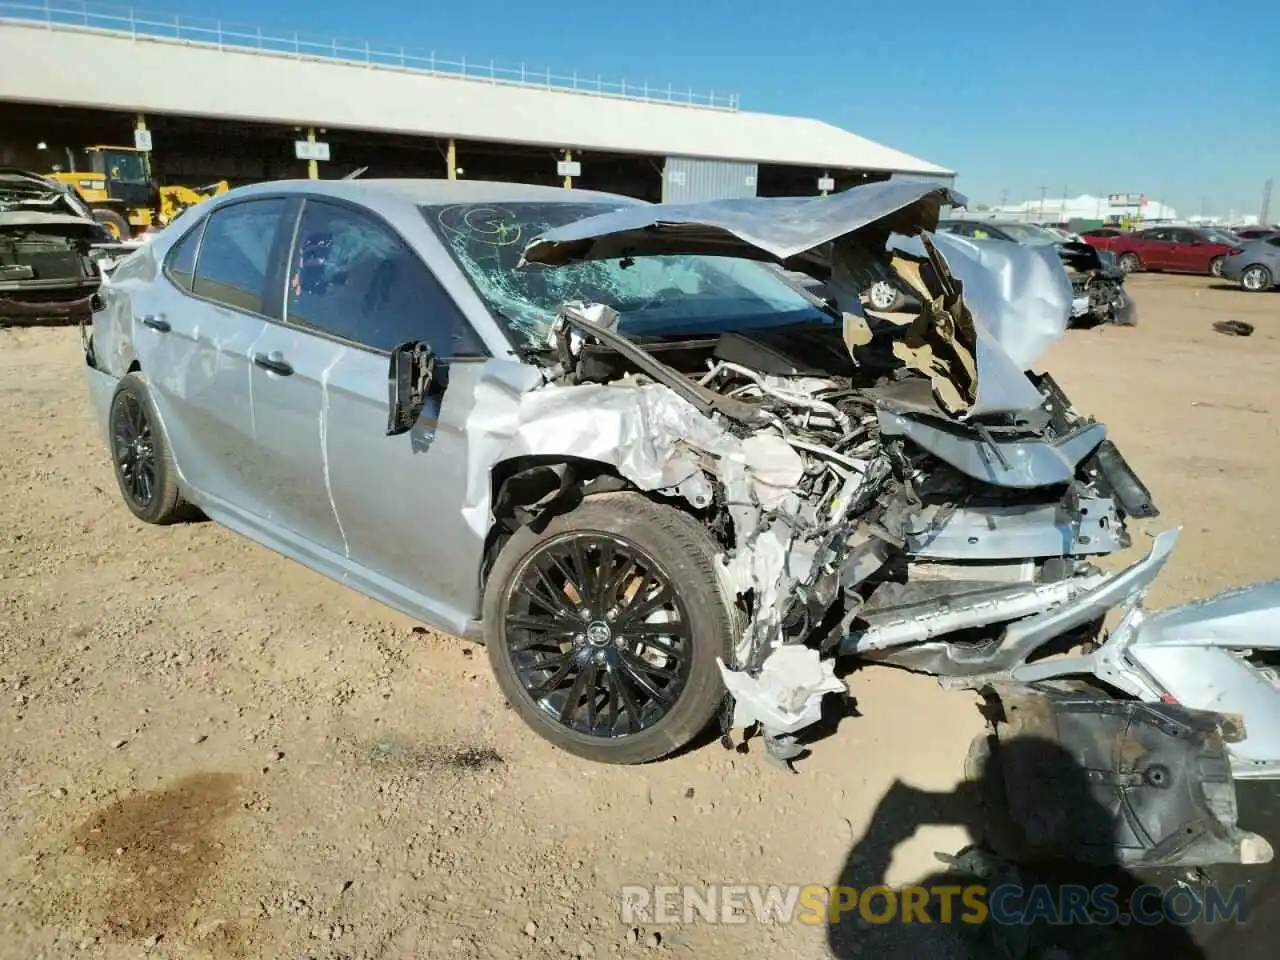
{"points": [[554, 600], [652, 631], [613, 584], [655, 643], [640, 609], [585, 582], [592, 673], [628, 702], [554, 682], [552, 625], [632, 672], [611, 703], [574, 696], [604, 574]]}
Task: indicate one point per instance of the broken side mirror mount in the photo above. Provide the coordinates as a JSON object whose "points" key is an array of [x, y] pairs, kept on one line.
{"points": [[409, 378]]}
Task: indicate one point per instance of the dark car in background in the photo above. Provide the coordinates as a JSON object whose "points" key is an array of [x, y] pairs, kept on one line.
{"points": [[1096, 279], [50, 246], [1255, 264], [1256, 233], [1176, 249]]}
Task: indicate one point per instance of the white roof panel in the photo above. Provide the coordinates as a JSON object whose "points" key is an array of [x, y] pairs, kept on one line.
{"points": [[110, 70]]}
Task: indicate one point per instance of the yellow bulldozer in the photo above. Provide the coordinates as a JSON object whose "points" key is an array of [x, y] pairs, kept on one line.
{"points": [[118, 188]]}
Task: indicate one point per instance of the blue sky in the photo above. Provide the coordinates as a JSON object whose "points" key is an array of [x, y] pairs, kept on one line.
{"points": [[1174, 98]]}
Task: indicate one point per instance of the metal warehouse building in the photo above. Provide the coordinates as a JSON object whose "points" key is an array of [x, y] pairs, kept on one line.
{"points": [[224, 101]]}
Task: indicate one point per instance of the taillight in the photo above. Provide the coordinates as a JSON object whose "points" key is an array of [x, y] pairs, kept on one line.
{"points": [[1235, 251]]}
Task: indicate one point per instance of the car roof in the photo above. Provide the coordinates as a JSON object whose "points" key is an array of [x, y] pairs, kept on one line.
{"points": [[377, 192]]}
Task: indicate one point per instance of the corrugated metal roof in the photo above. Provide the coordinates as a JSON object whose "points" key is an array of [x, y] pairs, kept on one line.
{"points": [[105, 69]]}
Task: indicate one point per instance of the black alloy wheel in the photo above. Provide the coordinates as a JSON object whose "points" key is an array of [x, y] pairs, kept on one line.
{"points": [[143, 466], [598, 637], [605, 624], [133, 450]]}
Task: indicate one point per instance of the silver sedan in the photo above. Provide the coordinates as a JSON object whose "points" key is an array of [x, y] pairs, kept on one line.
{"points": [[1255, 264], [240, 364]]}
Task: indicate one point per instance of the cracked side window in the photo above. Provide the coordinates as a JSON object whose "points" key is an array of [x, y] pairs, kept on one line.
{"points": [[353, 278]]}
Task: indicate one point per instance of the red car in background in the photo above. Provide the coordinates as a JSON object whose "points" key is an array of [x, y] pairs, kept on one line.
{"points": [[1177, 249]]}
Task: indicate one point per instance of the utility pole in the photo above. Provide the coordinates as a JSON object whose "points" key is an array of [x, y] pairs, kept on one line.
{"points": [[1265, 212], [1004, 196], [1043, 191]]}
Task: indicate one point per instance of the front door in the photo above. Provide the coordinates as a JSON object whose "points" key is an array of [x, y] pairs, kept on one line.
{"points": [[355, 286]]}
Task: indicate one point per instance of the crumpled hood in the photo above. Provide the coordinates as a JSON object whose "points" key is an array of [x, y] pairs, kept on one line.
{"points": [[755, 228], [1019, 298]]}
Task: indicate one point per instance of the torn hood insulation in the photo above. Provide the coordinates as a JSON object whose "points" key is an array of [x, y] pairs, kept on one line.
{"points": [[986, 314]]}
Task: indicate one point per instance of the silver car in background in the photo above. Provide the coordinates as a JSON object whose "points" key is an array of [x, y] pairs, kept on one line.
{"points": [[1254, 264]]}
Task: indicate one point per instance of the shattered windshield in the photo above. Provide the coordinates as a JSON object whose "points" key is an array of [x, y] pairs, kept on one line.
{"points": [[655, 295]]}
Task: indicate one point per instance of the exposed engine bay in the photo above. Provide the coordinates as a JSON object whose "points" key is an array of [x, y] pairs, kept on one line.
{"points": [[863, 518]]}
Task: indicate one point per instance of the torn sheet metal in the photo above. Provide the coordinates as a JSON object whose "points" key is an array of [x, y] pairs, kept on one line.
{"points": [[899, 628], [775, 228], [651, 435], [1014, 532], [1022, 464], [1020, 293], [787, 694]]}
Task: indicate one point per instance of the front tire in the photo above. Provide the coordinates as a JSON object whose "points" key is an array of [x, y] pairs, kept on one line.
{"points": [[603, 628], [1256, 278], [1130, 262], [143, 465]]}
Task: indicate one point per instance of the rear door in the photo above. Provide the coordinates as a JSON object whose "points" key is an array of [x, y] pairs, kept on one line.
{"points": [[193, 336], [355, 291]]}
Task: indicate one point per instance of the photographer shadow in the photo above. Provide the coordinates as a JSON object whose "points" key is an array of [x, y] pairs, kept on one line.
{"points": [[953, 925]]}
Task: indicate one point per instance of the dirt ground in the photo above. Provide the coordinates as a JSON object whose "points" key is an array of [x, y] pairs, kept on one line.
{"points": [[209, 751]]}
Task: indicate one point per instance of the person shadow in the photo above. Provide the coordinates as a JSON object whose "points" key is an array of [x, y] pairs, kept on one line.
{"points": [[1067, 816]]}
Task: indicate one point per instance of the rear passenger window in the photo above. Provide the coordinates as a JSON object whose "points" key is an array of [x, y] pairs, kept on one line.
{"points": [[351, 277], [236, 253], [181, 264]]}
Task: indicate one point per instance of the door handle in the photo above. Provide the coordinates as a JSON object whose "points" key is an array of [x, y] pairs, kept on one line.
{"points": [[156, 321], [275, 363]]}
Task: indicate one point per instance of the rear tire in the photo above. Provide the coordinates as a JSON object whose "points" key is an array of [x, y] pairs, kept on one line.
{"points": [[1256, 278], [1215, 266], [1130, 262], [140, 456], [116, 225], [569, 619]]}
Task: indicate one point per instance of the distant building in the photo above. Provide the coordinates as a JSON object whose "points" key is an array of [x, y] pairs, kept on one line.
{"points": [[1115, 208]]}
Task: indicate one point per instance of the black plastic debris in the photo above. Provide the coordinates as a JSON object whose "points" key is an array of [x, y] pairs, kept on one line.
{"points": [[1234, 328]]}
